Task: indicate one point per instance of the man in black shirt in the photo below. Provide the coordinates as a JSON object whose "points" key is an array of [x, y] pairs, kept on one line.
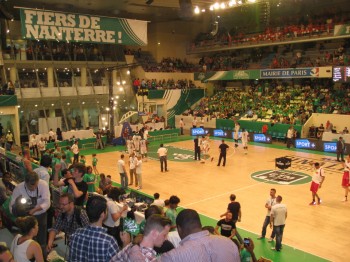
{"points": [[197, 149], [234, 208], [223, 149], [75, 183], [227, 226]]}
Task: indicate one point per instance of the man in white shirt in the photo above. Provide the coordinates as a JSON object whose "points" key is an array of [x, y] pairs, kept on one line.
{"points": [[245, 138], [290, 135], [75, 150], [182, 124], [132, 169], [317, 180], [162, 154], [42, 171], [270, 202], [278, 220], [52, 134], [122, 172], [157, 201], [42, 146], [35, 192]]}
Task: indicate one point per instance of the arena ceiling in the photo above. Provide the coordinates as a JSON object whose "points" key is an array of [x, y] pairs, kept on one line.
{"points": [[158, 10]]}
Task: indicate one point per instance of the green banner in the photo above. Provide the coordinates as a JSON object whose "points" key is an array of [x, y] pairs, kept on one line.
{"points": [[8, 100], [70, 27], [227, 75], [342, 30]]}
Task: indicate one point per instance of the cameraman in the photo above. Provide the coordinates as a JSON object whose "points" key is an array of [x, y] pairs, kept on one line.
{"points": [[247, 253], [32, 197]]}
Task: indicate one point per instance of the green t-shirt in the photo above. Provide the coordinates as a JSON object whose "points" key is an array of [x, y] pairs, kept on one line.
{"points": [[90, 178], [171, 214], [69, 155], [245, 256], [94, 161], [83, 161]]}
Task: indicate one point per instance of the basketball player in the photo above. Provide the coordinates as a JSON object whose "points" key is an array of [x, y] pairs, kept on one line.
{"points": [[205, 147], [130, 145], [317, 180], [136, 138], [245, 139], [143, 149], [345, 181], [237, 127]]}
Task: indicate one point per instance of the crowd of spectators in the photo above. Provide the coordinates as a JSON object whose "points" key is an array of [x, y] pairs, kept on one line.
{"points": [[153, 84], [278, 102]]}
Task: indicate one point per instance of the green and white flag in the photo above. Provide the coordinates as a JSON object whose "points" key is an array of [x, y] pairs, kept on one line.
{"points": [[71, 27]]}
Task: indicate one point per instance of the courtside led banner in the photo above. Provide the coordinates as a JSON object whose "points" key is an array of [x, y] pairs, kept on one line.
{"points": [[51, 25]]}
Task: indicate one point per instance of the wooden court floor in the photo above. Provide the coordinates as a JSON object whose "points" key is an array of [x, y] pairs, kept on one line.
{"points": [[320, 230]]}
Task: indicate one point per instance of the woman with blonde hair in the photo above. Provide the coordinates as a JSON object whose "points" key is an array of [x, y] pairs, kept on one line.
{"points": [[23, 247]]}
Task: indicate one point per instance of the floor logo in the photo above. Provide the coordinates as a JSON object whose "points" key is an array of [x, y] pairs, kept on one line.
{"points": [[282, 177], [174, 153]]}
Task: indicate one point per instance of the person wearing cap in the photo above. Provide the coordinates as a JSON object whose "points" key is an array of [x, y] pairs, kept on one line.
{"points": [[36, 193]]}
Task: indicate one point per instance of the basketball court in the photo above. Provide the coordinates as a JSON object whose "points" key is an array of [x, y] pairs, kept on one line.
{"points": [[312, 233]]}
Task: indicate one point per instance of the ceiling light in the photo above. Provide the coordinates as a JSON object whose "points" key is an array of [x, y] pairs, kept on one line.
{"points": [[216, 5], [232, 3], [211, 8], [222, 5], [196, 10], [128, 72]]}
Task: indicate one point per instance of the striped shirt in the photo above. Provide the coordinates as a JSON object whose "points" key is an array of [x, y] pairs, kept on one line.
{"points": [[202, 246]]}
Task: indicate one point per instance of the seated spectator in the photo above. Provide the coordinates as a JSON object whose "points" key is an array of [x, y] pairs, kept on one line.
{"points": [[345, 130], [199, 245], [104, 184], [93, 243], [23, 247], [5, 254], [157, 201], [69, 219], [156, 229]]}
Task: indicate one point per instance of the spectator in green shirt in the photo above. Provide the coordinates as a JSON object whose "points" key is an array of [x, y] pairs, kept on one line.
{"points": [[90, 179], [171, 212]]}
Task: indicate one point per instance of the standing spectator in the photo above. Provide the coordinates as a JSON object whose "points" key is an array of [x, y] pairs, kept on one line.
{"points": [[76, 185], [75, 150], [69, 219], [9, 140], [197, 149], [171, 212], [122, 172], [162, 154], [99, 143], [43, 170], [90, 179], [93, 243], [340, 149], [52, 135], [278, 221], [104, 185], [42, 146], [132, 169], [157, 201], [194, 122], [270, 202], [317, 180], [33, 145], [23, 247], [59, 134], [234, 208], [94, 164], [197, 244], [227, 226], [223, 150], [69, 154], [182, 124], [290, 135], [345, 181], [138, 171], [115, 211], [37, 194]]}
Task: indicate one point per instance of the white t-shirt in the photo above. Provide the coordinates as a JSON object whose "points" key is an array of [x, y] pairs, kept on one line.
{"points": [[162, 151], [245, 136], [121, 166], [318, 175], [271, 202], [158, 202], [132, 161], [194, 122], [290, 133], [143, 146], [279, 212], [112, 209], [75, 149], [346, 165], [20, 251], [138, 166]]}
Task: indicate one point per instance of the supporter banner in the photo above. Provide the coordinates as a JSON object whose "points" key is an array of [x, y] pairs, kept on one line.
{"points": [[307, 72], [51, 25], [227, 75], [342, 30]]}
